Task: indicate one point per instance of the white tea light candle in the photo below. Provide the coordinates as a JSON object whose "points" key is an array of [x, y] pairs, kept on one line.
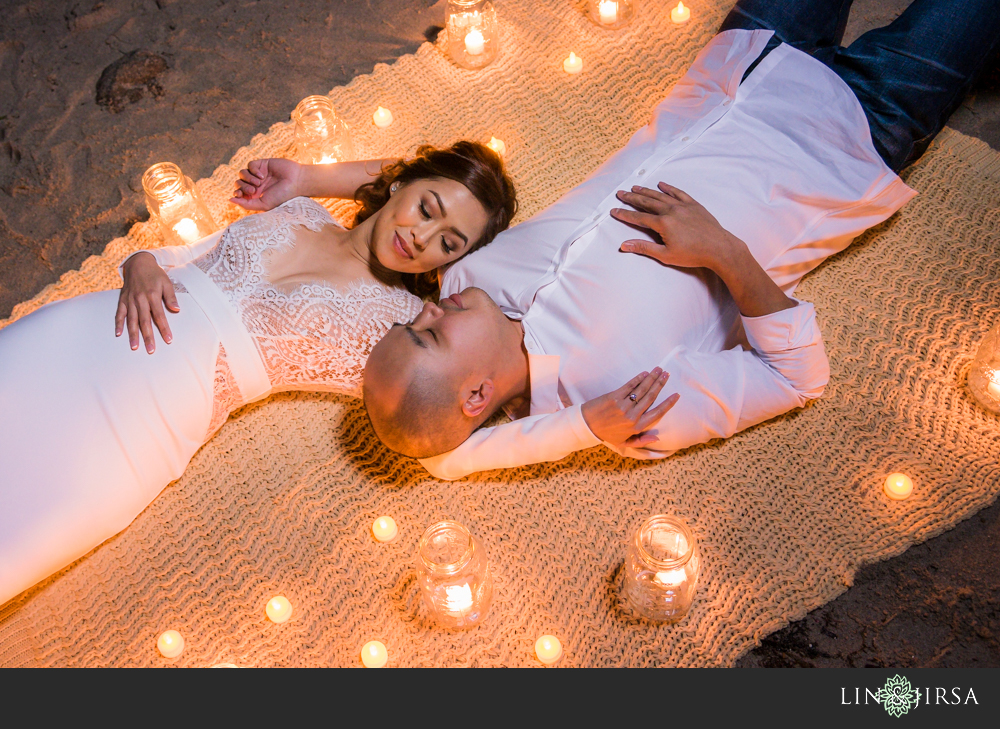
{"points": [[898, 486], [382, 117], [187, 230], [374, 654], [548, 649], [573, 64], [170, 644], [680, 14], [474, 42], [608, 11], [278, 609], [385, 529], [497, 146]]}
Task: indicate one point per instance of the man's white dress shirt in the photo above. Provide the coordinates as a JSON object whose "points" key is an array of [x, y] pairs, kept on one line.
{"points": [[784, 161]]}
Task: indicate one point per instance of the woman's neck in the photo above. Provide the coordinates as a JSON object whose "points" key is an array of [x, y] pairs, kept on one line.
{"points": [[358, 242]]}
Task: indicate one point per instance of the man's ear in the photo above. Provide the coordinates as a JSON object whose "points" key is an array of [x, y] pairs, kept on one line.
{"points": [[479, 399]]}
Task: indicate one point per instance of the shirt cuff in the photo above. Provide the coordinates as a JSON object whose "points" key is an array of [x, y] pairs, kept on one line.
{"points": [[783, 330], [584, 435]]}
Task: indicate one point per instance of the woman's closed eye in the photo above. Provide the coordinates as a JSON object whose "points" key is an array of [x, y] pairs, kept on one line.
{"points": [[424, 212], [448, 249]]}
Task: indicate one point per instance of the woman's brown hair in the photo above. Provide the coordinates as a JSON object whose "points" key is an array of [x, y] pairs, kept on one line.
{"points": [[472, 164]]}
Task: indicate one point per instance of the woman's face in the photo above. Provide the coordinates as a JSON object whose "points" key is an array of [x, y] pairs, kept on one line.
{"points": [[427, 224]]}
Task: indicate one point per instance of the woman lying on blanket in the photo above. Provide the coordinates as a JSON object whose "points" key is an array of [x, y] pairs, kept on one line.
{"points": [[284, 300]]}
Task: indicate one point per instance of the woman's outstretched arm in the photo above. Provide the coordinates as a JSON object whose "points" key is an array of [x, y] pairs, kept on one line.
{"points": [[266, 183]]}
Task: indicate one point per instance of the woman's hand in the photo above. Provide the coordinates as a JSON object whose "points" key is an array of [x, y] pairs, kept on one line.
{"points": [[689, 235], [145, 290], [266, 183], [622, 417]]}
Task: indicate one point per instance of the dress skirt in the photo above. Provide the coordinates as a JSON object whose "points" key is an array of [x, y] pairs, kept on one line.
{"points": [[91, 431]]}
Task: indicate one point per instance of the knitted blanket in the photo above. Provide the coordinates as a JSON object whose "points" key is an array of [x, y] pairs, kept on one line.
{"points": [[282, 500]]}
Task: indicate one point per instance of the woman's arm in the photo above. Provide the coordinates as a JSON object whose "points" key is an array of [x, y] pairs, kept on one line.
{"points": [[267, 183]]}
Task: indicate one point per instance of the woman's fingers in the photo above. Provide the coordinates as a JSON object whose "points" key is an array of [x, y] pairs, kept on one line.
{"points": [[160, 320], [652, 391], [132, 322], [170, 296], [146, 326], [622, 392], [652, 417], [643, 388], [249, 177], [120, 314]]}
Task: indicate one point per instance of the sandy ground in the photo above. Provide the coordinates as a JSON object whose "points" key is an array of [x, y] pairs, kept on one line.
{"points": [[214, 74]]}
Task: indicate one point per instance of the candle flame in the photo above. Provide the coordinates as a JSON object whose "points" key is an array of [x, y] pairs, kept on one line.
{"points": [[680, 6], [457, 598], [572, 57]]}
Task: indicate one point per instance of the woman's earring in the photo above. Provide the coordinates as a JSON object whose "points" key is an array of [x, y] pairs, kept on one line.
{"points": [[393, 187]]}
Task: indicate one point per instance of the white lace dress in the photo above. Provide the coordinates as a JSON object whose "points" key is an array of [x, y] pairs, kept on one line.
{"points": [[91, 432]]}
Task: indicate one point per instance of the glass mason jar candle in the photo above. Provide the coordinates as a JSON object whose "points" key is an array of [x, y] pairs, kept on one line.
{"points": [[661, 569], [321, 137], [984, 377], [611, 13], [473, 35], [175, 205], [454, 575]]}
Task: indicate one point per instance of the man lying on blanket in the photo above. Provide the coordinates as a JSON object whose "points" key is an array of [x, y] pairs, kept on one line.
{"points": [[775, 150]]}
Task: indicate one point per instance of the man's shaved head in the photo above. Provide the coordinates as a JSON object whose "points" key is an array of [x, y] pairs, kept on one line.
{"points": [[430, 383]]}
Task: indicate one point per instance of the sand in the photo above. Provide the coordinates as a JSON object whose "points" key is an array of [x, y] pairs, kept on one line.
{"points": [[209, 76]]}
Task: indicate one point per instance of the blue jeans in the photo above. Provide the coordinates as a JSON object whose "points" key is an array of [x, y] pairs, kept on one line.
{"points": [[909, 76]]}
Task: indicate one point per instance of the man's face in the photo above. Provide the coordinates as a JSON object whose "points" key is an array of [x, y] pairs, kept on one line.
{"points": [[457, 335]]}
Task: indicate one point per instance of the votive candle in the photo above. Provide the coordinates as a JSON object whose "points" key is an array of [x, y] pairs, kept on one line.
{"points": [[374, 654], [898, 486], [170, 644], [497, 146], [474, 42], [680, 14], [385, 529], [548, 649], [608, 11], [278, 609], [382, 117], [573, 64]]}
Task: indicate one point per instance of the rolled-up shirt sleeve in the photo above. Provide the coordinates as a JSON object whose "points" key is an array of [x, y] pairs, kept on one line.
{"points": [[723, 393]]}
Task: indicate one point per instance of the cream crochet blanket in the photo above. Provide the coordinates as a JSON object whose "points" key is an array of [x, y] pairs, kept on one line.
{"points": [[283, 498]]}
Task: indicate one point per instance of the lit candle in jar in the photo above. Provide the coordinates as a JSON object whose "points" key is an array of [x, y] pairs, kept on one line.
{"points": [[170, 644], [548, 649], [608, 11], [278, 609], [993, 386], [457, 598], [382, 117], [374, 654], [187, 229], [385, 529], [898, 486], [573, 64], [474, 42], [497, 146], [680, 14]]}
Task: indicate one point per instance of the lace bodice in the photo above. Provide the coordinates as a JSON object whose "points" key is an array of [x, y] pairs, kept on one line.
{"points": [[309, 336]]}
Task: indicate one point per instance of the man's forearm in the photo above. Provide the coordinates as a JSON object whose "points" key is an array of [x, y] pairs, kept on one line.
{"points": [[751, 288], [341, 179]]}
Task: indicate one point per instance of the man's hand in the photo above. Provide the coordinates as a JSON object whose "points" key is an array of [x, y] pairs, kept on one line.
{"points": [[690, 236], [622, 417], [266, 183], [145, 289]]}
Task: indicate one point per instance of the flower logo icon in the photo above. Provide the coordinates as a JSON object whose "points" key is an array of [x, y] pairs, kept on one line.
{"points": [[897, 696]]}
